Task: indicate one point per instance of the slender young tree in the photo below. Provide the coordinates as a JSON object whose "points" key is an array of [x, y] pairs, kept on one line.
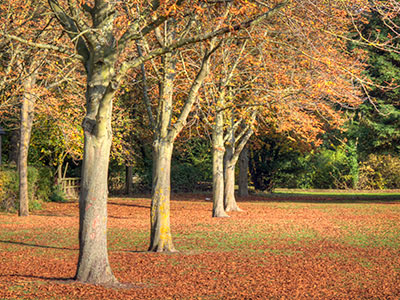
{"points": [[27, 114]]}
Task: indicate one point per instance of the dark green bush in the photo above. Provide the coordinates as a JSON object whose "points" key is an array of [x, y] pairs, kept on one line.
{"points": [[44, 184], [186, 178], [58, 195], [39, 187], [8, 188]]}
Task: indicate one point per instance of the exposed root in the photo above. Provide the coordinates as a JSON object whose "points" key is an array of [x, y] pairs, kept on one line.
{"points": [[235, 208]]}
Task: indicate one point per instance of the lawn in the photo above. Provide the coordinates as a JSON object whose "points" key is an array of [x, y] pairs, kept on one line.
{"points": [[301, 246]]}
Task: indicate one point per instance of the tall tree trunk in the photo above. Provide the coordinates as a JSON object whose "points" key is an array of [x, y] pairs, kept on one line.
{"points": [[235, 148], [161, 239], [14, 146], [229, 180], [243, 180], [93, 265], [164, 137], [218, 162], [160, 235], [128, 180], [27, 114]]}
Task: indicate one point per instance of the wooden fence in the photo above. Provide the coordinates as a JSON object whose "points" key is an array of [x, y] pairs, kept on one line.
{"points": [[70, 187]]}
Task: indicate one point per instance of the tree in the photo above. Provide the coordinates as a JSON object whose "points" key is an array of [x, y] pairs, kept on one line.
{"points": [[23, 81], [235, 143], [231, 116], [168, 124], [27, 110], [164, 136], [375, 126], [102, 35]]}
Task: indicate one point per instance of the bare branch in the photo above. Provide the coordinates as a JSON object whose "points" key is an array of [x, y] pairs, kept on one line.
{"points": [[44, 46]]}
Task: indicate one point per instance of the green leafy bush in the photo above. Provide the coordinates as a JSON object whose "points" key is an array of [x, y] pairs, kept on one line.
{"points": [[332, 169]]}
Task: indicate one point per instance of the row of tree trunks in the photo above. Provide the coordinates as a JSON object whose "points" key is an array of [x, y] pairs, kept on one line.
{"points": [[91, 28]]}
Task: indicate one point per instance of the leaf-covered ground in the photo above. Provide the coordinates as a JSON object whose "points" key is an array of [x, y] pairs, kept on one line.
{"points": [[274, 250]]}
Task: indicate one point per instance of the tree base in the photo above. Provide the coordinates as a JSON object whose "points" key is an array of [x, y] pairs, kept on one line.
{"points": [[221, 215], [106, 281], [166, 247]]}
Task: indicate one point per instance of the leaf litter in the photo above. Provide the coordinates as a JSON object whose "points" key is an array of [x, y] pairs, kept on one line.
{"points": [[272, 250]]}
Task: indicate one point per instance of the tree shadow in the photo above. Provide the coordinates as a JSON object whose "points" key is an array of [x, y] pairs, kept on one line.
{"points": [[56, 215], [64, 280], [37, 246], [71, 280], [129, 204]]}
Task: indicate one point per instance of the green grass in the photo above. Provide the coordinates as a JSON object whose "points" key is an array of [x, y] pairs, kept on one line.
{"points": [[127, 239], [41, 241], [314, 195], [386, 236]]}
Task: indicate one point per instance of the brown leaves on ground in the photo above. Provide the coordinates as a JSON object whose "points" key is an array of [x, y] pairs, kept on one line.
{"points": [[273, 250]]}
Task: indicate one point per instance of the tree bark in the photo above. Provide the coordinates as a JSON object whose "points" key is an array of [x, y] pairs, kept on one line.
{"points": [[164, 137], [27, 115], [243, 180], [229, 180], [161, 238], [93, 264], [230, 160]]}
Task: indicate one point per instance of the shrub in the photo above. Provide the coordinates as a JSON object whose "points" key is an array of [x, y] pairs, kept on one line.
{"points": [[8, 189], [185, 177], [44, 184], [58, 195], [380, 172], [39, 185], [332, 169]]}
